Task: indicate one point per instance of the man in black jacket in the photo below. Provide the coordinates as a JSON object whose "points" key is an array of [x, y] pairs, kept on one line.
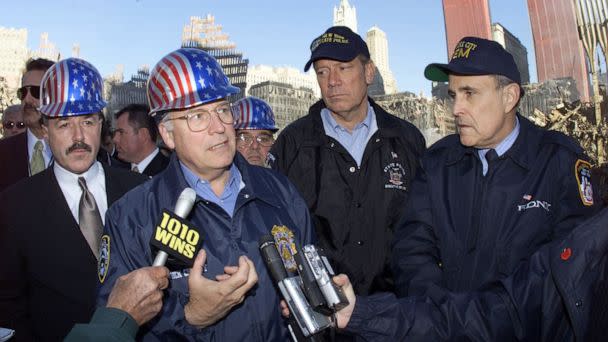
{"points": [[51, 223], [352, 161]]}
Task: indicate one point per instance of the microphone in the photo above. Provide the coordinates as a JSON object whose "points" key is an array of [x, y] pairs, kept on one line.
{"points": [[308, 320], [167, 231]]}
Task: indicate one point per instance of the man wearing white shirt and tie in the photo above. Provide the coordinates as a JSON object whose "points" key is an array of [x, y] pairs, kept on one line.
{"points": [[27, 153], [51, 223], [135, 137]]}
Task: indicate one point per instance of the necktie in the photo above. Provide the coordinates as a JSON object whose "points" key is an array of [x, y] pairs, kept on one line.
{"points": [[89, 217], [37, 162], [135, 169]]}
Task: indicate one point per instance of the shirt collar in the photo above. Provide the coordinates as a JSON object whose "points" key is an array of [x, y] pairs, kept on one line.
{"points": [[193, 180], [330, 122], [505, 144], [142, 165], [67, 177]]}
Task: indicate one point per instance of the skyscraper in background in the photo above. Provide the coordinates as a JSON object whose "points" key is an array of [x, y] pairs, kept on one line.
{"points": [[204, 33], [345, 15], [378, 49], [466, 18], [559, 51], [512, 44]]}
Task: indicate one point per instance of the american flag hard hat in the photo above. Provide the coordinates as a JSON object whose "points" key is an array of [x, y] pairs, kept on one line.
{"points": [[253, 113], [186, 78], [71, 87]]}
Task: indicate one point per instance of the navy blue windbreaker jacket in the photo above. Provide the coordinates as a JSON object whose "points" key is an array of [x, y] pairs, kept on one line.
{"points": [[462, 230], [559, 294], [268, 199]]}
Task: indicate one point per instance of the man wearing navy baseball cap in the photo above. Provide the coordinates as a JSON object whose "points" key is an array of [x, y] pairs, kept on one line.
{"points": [[491, 195], [352, 161]]}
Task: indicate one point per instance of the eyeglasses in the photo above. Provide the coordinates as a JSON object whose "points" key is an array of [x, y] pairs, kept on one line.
{"points": [[244, 139], [33, 90], [11, 124], [201, 119]]}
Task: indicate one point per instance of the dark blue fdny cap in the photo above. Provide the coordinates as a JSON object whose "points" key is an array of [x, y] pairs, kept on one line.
{"points": [[338, 43], [475, 56]]}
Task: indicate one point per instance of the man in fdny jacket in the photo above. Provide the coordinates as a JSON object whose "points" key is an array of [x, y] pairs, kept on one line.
{"points": [[493, 194], [228, 295]]}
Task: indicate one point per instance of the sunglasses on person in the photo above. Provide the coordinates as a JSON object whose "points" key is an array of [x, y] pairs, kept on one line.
{"points": [[11, 124], [33, 90]]}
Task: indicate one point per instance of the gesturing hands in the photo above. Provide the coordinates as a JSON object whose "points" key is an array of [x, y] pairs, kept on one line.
{"points": [[210, 300]]}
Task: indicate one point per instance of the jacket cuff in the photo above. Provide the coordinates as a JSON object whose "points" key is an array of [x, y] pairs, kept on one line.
{"points": [[116, 318], [361, 314]]}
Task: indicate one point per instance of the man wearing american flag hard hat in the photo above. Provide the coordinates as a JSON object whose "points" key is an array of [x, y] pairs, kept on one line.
{"points": [[51, 223], [224, 290]]}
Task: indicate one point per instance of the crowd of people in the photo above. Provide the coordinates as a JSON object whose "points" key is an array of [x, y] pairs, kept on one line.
{"points": [[490, 234]]}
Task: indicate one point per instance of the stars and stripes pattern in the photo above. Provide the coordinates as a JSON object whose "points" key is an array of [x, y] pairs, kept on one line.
{"points": [[253, 113], [71, 87], [185, 78]]}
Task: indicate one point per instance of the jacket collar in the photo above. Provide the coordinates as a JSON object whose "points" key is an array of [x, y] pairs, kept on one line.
{"points": [[525, 146]]}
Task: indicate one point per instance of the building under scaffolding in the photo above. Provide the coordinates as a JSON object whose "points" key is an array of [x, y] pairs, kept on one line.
{"points": [[204, 34]]}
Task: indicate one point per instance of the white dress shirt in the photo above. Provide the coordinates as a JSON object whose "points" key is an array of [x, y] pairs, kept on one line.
{"points": [[96, 183], [144, 163]]}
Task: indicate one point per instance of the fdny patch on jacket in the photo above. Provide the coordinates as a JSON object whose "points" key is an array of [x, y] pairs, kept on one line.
{"points": [[582, 170], [104, 258], [283, 237]]}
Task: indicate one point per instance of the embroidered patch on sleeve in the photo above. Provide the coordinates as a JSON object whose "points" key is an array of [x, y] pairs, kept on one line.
{"points": [[582, 170], [104, 258]]}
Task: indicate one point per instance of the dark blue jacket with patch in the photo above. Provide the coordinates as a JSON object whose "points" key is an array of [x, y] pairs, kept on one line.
{"points": [[462, 230], [559, 294], [268, 199]]}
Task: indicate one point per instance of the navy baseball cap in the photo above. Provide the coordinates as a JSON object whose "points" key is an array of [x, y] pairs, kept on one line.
{"points": [[338, 43], [475, 56]]}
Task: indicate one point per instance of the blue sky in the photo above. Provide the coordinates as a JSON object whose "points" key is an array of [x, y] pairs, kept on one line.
{"points": [[273, 32]]}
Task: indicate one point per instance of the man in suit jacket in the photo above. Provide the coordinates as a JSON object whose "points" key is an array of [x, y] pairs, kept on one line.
{"points": [[50, 223], [135, 139], [18, 152]]}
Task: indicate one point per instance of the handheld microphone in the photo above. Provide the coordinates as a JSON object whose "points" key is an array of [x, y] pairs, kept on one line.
{"points": [[183, 206], [308, 320]]}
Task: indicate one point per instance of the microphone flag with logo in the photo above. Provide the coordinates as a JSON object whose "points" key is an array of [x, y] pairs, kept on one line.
{"points": [[174, 235]]}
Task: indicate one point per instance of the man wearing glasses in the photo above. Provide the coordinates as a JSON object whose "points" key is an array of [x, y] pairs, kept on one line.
{"points": [[12, 121], [28, 153], [255, 128], [236, 204]]}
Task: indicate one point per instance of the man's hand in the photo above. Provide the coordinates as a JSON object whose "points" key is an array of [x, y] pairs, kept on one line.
{"points": [[139, 293], [342, 316], [211, 300]]}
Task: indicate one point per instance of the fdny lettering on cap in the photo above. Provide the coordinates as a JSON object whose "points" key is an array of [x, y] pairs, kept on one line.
{"points": [[104, 258], [176, 236], [582, 170], [283, 237], [463, 49]]}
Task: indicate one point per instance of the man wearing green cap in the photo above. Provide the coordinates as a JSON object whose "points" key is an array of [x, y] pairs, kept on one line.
{"points": [[491, 195]]}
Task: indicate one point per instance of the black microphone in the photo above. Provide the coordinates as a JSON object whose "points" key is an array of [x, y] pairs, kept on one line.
{"points": [[167, 231], [272, 259]]}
